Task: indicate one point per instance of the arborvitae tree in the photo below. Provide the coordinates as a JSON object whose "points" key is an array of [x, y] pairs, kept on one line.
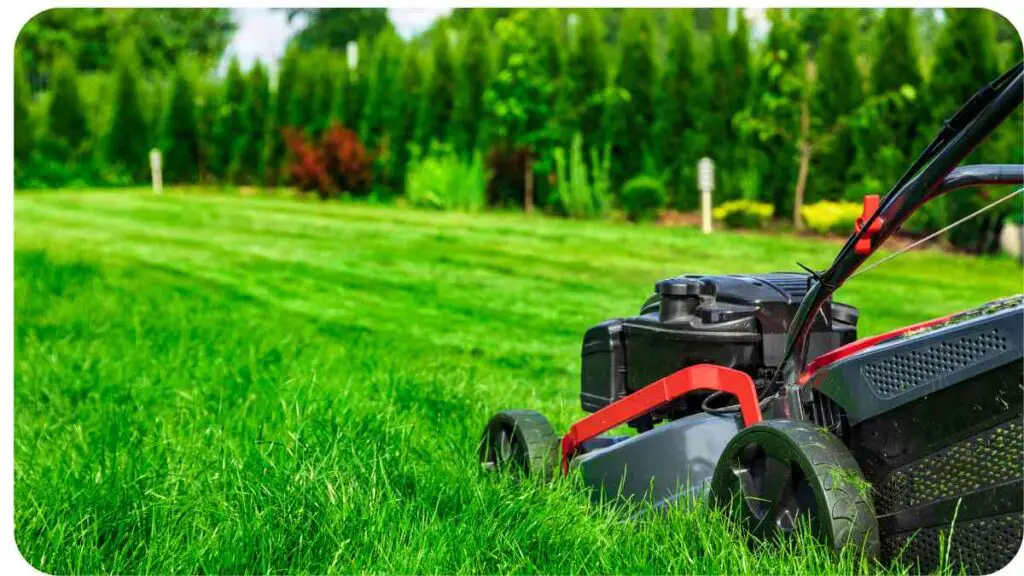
{"points": [[128, 138], [403, 128], [439, 98], [896, 63], [323, 85], [587, 72], [837, 93], [230, 122], [67, 126], [24, 127], [303, 94], [548, 25], [474, 74], [381, 98], [209, 96], [276, 148], [740, 54], [181, 145], [717, 125], [339, 70], [249, 164], [966, 59], [637, 74], [357, 84], [678, 138]]}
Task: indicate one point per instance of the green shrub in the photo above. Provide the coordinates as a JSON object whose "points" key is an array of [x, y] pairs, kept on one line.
{"points": [[643, 198], [441, 180], [831, 217], [743, 213], [576, 194]]}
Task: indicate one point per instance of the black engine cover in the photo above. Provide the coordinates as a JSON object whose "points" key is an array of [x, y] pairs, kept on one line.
{"points": [[738, 321]]}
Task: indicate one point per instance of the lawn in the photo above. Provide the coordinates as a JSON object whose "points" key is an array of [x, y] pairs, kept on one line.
{"points": [[218, 384]]}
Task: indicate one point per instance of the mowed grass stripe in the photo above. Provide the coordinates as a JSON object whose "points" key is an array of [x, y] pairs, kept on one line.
{"points": [[208, 383]]}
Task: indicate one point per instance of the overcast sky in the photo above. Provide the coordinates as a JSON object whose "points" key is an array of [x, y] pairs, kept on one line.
{"points": [[264, 33]]}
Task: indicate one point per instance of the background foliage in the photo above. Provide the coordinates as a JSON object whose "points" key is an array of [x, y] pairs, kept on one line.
{"points": [[659, 88]]}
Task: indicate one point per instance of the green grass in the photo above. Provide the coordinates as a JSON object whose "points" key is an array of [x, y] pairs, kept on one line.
{"points": [[209, 383]]}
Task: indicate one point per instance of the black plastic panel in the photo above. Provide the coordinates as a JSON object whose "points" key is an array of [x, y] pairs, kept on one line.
{"points": [[894, 373], [891, 376]]}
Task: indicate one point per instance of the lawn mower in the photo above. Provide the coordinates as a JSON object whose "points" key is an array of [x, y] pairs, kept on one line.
{"points": [[754, 391]]}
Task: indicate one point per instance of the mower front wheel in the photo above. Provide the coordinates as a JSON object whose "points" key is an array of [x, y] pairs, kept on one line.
{"points": [[783, 472], [521, 443]]}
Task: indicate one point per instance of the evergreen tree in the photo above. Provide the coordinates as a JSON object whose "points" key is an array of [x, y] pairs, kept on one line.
{"points": [[548, 25], [740, 54], [966, 55], [587, 72], [209, 98], [276, 148], [128, 139], [743, 154], [637, 74], [896, 63], [339, 70], [249, 166], [230, 122], [24, 127], [717, 121], [67, 126], [181, 146], [439, 98], [404, 123], [357, 85], [306, 92], [381, 98], [838, 92], [679, 106], [323, 85], [475, 73]]}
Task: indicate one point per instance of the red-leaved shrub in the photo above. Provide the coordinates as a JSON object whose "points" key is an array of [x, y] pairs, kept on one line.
{"points": [[337, 163], [346, 159]]}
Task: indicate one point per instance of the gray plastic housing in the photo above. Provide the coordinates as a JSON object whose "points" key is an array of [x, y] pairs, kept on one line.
{"points": [[672, 460]]}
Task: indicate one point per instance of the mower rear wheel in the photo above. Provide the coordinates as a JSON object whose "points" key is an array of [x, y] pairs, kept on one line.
{"points": [[781, 473], [521, 443]]}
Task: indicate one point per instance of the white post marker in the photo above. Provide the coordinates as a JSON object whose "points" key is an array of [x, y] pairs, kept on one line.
{"points": [[706, 183], [155, 170], [352, 54]]}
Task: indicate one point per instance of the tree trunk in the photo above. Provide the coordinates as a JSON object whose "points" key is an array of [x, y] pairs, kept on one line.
{"points": [[806, 149], [801, 184], [528, 185]]}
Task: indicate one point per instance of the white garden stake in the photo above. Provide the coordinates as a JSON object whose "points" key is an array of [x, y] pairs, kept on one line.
{"points": [[352, 54], [706, 183], [155, 170]]}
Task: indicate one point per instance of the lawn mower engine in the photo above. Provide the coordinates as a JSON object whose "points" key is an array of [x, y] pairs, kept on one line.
{"points": [[736, 321], [755, 391]]}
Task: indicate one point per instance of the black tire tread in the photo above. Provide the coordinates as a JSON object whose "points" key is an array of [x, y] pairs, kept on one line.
{"points": [[536, 433], [850, 506]]}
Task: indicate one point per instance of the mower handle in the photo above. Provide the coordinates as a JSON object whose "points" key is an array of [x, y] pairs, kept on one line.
{"points": [[979, 175]]}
